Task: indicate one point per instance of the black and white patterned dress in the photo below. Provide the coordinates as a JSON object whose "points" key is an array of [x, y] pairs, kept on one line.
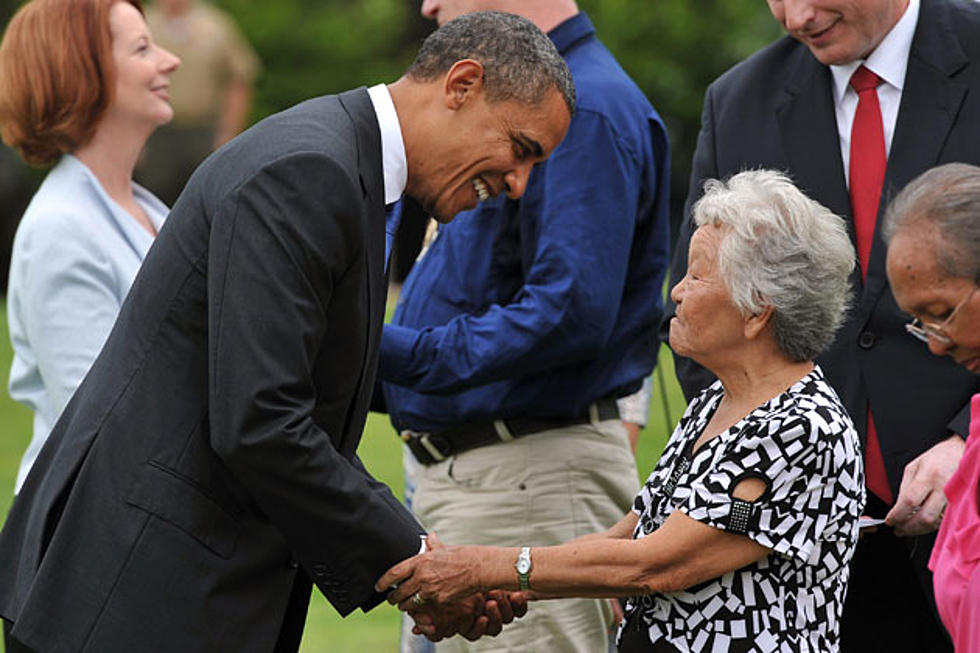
{"points": [[804, 446]]}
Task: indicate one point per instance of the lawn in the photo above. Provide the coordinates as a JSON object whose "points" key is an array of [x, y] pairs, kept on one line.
{"points": [[381, 452]]}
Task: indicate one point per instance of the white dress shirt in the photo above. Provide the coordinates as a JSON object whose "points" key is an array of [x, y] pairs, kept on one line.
{"points": [[889, 61], [74, 258], [394, 166], [393, 162]]}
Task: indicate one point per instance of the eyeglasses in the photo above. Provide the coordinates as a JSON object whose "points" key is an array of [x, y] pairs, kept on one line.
{"points": [[925, 331]]}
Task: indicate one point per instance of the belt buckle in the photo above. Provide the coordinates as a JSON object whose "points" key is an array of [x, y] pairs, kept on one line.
{"points": [[430, 443]]}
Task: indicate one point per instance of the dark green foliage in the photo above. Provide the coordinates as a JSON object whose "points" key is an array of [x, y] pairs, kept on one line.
{"points": [[673, 49]]}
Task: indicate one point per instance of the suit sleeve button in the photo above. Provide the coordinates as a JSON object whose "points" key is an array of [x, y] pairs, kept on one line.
{"points": [[866, 340]]}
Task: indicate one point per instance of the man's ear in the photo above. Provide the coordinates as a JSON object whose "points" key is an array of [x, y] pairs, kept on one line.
{"points": [[463, 81], [756, 324]]}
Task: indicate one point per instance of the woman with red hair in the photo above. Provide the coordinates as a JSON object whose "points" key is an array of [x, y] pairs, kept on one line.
{"points": [[82, 86]]}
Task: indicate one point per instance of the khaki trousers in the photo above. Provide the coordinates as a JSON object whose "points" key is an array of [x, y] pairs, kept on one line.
{"points": [[542, 489]]}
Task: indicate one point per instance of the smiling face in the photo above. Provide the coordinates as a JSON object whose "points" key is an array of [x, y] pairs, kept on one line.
{"points": [[480, 149], [706, 322], [142, 70], [923, 290], [838, 31]]}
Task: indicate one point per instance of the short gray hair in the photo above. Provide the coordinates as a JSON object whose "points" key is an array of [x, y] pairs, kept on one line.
{"points": [[519, 61], [946, 200], [784, 250]]}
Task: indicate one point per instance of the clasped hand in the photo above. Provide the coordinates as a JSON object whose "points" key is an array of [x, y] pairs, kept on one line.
{"points": [[441, 591]]}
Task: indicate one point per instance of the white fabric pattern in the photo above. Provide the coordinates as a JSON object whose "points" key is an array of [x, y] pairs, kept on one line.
{"points": [[804, 446]]}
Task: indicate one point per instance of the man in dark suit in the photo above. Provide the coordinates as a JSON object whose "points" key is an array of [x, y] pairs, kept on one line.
{"points": [[205, 471], [791, 106]]}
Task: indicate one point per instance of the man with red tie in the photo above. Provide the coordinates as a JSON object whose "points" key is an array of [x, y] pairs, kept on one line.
{"points": [[859, 98]]}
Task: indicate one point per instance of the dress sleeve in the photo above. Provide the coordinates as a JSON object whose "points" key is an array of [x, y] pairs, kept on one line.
{"points": [[803, 471]]}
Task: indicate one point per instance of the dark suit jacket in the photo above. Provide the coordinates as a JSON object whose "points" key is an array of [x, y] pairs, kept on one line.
{"points": [[776, 110], [211, 447]]}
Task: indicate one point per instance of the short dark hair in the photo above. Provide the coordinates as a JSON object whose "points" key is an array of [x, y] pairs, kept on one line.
{"points": [[57, 76], [945, 199], [519, 61]]}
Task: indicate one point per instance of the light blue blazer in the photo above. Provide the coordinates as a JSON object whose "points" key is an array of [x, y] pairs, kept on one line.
{"points": [[75, 255]]}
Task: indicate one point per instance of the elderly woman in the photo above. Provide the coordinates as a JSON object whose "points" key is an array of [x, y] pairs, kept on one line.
{"points": [[741, 537], [82, 86], [933, 233]]}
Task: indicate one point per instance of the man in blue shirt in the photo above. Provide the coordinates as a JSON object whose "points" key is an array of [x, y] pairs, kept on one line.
{"points": [[524, 321]]}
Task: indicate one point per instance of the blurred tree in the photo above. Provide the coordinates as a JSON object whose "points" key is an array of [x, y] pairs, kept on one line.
{"points": [[311, 48], [673, 49]]}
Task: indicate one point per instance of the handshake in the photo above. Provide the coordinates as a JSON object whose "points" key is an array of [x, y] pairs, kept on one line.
{"points": [[442, 591]]}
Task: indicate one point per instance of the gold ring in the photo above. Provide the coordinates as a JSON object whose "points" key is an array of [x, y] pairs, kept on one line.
{"points": [[417, 600]]}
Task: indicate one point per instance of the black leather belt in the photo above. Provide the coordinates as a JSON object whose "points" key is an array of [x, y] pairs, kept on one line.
{"points": [[431, 448]]}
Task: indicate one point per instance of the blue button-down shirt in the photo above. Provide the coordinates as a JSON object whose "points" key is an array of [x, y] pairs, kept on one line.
{"points": [[543, 305]]}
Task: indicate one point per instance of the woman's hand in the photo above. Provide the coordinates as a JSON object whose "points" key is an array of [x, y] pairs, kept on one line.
{"points": [[440, 589]]}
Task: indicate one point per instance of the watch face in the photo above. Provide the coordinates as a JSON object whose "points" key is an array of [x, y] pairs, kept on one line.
{"points": [[523, 566]]}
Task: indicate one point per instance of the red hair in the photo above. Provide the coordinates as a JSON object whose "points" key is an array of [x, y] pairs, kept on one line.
{"points": [[56, 76]]}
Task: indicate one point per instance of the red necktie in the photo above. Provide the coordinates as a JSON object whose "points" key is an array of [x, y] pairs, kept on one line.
{"points": [[867, 170], [867, 161]]}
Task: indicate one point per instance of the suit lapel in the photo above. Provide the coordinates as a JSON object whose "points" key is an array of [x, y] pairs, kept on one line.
{"points": [[357, 104], [930, 101], [806, 117], [808, 126]]}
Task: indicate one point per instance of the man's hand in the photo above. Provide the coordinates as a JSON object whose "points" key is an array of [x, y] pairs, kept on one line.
{"points": [[440, 621], [921, 502], [443, 575], [473, 617], [440, 590]]}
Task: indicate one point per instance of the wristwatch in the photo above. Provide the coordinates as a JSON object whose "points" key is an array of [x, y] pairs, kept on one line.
{"points": [[523, 567]]}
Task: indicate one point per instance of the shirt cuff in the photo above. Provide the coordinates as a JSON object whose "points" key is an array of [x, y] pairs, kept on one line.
{"points": [[635, 408]]}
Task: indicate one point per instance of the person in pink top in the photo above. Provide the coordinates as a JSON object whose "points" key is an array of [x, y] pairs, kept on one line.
{"points": [[932, 229]]}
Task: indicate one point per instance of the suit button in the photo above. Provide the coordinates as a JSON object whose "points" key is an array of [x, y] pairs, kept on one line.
{"points": [[866, 340], [292, 564]]}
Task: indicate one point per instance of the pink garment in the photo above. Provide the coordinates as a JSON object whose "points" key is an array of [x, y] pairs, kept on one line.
{"points": [[955, 561]]}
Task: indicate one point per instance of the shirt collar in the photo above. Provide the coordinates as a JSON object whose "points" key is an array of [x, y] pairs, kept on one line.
{"points": [[568, 33], [889, 60], [394, 166]]}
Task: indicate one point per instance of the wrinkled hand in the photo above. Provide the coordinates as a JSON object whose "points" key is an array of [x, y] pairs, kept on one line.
{"points": [[921, 502], [443, 575], [441, 591], [440, 621], [473, 617]]}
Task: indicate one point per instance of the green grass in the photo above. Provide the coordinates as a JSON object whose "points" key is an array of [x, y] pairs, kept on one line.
{"points": [[381, 452], [15, 422]]}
